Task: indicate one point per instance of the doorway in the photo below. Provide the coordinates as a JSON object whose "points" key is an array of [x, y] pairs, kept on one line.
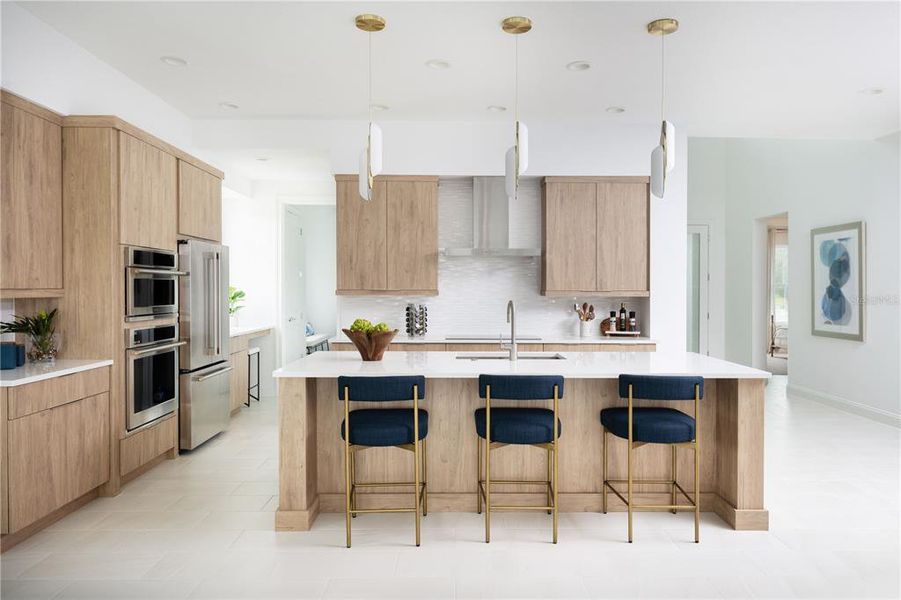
{"points": [[293, 318], [777, 296], [698, 283]]}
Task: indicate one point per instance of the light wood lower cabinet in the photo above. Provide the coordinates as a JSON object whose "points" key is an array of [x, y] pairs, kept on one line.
{"points": [[238, 379], [56, 456], [199, 203], [140, 448], [31, 205]]}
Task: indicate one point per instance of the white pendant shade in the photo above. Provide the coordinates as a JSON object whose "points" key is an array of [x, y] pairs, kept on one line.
{"points": [[516, 160], [658, 173], [370, 161], [510, 172], [670, 146], [522, 136]]}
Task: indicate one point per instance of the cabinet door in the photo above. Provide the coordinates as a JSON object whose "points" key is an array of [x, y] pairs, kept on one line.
{"points": [[361, 238], [199, 203], [55, 456], [413, 236], [31, 204], [238, 379], [622, 237], [570, 241], [148, 186]]}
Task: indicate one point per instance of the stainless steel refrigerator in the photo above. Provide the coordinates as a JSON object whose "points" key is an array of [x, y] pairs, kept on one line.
{"points": [[204, 386]]}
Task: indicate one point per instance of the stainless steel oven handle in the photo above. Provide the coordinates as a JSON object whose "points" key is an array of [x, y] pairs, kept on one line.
{"points": [[157, 349], [157, 271], [213, 374]]}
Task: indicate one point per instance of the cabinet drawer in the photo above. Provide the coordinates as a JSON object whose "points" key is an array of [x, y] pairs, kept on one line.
{"points": [[50, 393], [140, 448], [56, 456]]}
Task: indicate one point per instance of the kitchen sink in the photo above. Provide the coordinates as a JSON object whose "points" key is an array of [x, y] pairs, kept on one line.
{"points": [[506, 356]]}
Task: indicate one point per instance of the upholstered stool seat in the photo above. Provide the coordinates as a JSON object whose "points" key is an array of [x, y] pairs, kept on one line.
{"points": [[519, 425], [650, 425], [385, 426]]}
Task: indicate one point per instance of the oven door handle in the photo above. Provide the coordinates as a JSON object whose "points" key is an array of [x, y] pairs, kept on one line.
{"points": [[147, 271], [157, 349], [213, 374]]}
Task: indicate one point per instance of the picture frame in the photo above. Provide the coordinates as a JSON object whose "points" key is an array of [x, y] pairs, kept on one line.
{"points": [[838, 281]]}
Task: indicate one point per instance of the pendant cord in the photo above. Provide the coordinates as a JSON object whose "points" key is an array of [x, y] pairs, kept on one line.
{"points": [[370, 77], [662, 79], [516, 78]]}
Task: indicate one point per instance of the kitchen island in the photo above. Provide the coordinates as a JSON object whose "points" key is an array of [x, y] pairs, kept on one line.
{"points": [[311, 450]]}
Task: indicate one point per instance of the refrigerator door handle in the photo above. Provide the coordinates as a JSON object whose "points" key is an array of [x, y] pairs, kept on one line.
{"points": [[209, 317], [213, 374], [218, 315]]}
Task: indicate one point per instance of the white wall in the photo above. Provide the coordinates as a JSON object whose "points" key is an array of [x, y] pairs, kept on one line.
{"points": [[818, 183], [44, 66], [558, 148], [320, 306], [249, 231]]}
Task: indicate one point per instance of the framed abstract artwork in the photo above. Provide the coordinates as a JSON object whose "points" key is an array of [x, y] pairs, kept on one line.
{"points": [[838, 281]]}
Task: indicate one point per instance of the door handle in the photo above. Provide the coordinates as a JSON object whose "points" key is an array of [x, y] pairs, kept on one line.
{"points": [[157, 349], [157, 271], [213, 374]]}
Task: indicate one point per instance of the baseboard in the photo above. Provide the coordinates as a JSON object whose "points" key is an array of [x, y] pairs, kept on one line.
{"points": [[8, 540], [863, 410]]}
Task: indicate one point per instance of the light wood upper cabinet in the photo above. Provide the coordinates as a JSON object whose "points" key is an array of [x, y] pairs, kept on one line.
{"points": [[623, 245], [31, 226], [570, 241], [199, 203], [413, 236], [595, 236], [390, 244], [148, 188]]}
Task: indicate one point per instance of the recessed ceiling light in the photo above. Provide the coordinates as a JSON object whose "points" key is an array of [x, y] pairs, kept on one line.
{"points": [[496, 108], [379, 107], [873, 91], [615, 109], [174, 61], [228, 106], [437, 63], [578, 65], [263, 158]]}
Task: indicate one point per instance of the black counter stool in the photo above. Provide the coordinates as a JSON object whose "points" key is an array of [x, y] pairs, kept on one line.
{"points": [[253, 377], [500, 427], [404, 428], [655, 425]]}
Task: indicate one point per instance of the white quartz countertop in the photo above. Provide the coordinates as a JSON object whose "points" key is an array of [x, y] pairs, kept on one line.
{"points": [[239, 331], [578, 365], [32, 372], [526, 339]]}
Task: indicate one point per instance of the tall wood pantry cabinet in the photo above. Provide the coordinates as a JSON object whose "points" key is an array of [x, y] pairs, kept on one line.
{"points": [[595, 236], [388, 245]]}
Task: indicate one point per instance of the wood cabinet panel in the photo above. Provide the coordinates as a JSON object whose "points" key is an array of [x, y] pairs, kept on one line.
{"points": [[492, 347], [238, 379], [50, 393], [623, 244], [55, 456], [413, 235], [569, 244], [600, 347], [31, 220], [142, 447], [199, 203], [362, 238], [148, 189]]}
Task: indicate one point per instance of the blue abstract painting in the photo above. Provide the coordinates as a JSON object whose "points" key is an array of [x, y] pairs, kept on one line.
{"points": [[838, 300]]}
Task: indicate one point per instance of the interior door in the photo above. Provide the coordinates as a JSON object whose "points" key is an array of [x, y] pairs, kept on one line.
{"points": [[698, 281], [294, 287]]}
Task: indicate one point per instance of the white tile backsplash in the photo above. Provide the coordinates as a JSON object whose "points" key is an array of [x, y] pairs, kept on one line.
{"points": [[474, 290]]}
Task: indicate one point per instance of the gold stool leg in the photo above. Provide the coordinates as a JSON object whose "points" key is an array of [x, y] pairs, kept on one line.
{"points": [[416, 466], [674, 479], [629, 465], [478, 475], [425, 478], [487, 492], [604, 484], [347, 512], [697, 495], [555, 492], [353, 483], [549, 480]]}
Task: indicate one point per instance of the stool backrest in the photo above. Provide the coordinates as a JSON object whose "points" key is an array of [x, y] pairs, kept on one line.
{"points": [[521, 387], [661, 387], [381, 389]]}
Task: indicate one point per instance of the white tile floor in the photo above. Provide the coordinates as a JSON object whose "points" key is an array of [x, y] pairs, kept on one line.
{"points": [[201, 527]]}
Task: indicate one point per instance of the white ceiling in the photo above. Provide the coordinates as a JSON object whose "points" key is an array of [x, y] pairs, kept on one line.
{"points": [[758, 69]]}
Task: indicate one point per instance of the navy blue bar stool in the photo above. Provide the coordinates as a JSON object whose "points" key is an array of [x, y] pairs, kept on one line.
{"points": [[403, 428], [500, 427], [655, 425]]}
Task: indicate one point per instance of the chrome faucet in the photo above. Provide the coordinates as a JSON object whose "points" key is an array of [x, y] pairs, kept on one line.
{"points": [[511, 319]]}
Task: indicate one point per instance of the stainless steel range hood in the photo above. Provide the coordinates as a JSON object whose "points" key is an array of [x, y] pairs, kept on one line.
{"points": [[491, 215]]}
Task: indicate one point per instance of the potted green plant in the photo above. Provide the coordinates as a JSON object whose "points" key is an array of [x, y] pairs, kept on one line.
{"points": [[235, 303], [41, 332]]}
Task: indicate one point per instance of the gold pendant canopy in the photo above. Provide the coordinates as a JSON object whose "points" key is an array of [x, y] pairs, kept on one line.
{"points": [[370, 23], [663, 26], [516, 25]]}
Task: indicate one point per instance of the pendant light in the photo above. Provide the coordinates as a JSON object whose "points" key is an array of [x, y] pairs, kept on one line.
{"points": [[663, 157], [517, 158], [371, 156]]}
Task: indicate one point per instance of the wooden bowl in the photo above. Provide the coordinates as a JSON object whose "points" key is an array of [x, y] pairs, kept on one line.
{"points": [[371, 346]]}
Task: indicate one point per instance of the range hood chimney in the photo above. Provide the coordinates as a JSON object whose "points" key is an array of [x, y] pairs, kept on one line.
{"points": [[491, 212]]}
